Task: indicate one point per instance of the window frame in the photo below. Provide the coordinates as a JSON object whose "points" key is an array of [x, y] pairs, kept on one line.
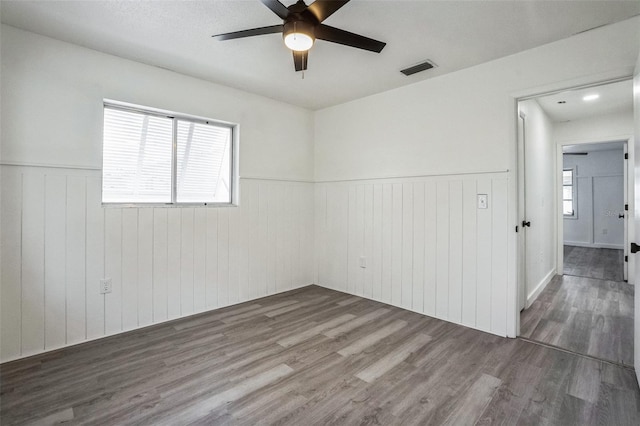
{"points": [[234, 177], [574, 193]]}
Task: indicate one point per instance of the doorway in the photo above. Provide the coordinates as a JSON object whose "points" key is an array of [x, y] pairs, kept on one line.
{"points": [[594, 219], [573, 186]]}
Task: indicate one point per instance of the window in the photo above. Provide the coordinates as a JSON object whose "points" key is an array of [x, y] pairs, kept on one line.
{"points": [[163, 158], [568, 193]]}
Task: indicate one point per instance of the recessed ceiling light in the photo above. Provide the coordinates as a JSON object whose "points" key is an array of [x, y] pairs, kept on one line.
{"points": [[590, 97]]}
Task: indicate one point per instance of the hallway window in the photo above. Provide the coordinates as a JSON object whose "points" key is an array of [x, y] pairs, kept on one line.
{"points": [[568, 193]]}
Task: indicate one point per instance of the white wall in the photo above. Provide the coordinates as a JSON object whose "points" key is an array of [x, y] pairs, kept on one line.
{"points": [[598, 174], [540, 207], [603, 128], [57, 240], [460, 123]]}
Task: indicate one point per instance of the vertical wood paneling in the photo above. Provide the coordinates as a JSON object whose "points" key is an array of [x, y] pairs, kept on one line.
{"points": [[199, 259], [186, 261], [211, 289], [417, 299], [387, 249], [407, 246], [376, 257], [499, 250], [396, 245], [58, 242], [223, 257], [455, 251], [10, 256], [287, 231], [32, 270], [352, 241], [146, 294], [368, 241], [261, 283], [94, 261], [75, 258], [272, 231], [174, 247], [359, 239], [160, 264], [243, 253], [233, 290], [484, 258], [253, 242], [129, 269], [55, 296], [430, 248], [113, 270], [308, 248], [280, 237], [469, 244], [442, 249], [320, 209]]}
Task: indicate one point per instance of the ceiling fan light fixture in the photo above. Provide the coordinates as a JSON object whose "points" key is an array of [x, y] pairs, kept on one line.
{"points": [[298, 35]]}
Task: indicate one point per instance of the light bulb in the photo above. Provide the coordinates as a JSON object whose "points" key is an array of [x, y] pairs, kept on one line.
{"points": [[299, 42]]}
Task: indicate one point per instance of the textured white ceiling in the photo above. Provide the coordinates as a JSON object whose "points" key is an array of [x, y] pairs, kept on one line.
{"points": [[176, 35], [614, 97]]}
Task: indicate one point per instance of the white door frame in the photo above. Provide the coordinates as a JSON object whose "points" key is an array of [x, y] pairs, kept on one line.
{"points": [[628, 198]]}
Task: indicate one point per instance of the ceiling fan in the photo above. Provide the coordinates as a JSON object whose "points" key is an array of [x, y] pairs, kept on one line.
{"points": [[302, 25]]}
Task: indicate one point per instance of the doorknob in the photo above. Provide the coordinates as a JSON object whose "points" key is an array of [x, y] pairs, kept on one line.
{"points": [[620, 215], [526, 224]]}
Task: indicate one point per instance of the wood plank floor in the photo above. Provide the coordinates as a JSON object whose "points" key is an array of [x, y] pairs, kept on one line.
{"points": [[604, 264], [315, 356], [585, 315]]}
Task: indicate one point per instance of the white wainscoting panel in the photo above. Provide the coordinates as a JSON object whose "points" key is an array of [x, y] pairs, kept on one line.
{"points": [[58, 242], [426, 246]]}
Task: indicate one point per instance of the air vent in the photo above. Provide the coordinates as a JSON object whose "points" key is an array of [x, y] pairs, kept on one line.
{"points": [[426, 65]]}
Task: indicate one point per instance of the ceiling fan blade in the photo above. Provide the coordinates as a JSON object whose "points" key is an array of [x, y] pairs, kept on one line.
{"points": [[336, 35], [322, 9], [249, 33], [300, 60], [277, 8]]}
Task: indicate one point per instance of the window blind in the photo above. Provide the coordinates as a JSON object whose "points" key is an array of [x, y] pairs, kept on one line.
{"points": [[136, 157], [203, 152]]}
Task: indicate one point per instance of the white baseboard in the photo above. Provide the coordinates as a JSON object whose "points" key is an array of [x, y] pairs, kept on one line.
{"points": [[594, 245], [541, 286]]}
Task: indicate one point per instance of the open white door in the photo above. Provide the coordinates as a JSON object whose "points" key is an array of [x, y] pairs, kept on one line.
{"points": [[522, 288], [625, 213], [636, 213]]}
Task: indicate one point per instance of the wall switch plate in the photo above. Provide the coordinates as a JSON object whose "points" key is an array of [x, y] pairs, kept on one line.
{"points": [[105, 286], [363, 262], [483, 201]]}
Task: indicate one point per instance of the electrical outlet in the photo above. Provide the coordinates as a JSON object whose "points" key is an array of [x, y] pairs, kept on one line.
{"points": [[363, 262], [105, 286], [605, 231]]}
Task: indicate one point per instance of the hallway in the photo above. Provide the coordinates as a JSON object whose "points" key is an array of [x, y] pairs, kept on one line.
{"points": [[584, 315], [601, 263]]}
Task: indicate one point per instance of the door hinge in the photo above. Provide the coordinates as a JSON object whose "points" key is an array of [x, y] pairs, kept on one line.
{"points": [[626, 258], [635, 248], [626, 156], [516, 228], [626, 206]]}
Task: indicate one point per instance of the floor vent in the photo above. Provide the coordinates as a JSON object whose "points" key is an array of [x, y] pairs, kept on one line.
{"points": [[423, 66]]}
